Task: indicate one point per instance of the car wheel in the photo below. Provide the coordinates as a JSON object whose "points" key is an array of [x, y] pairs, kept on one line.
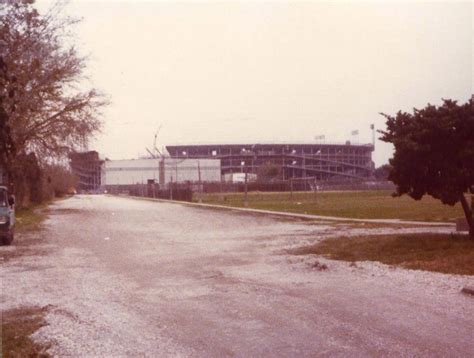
{"points": [[7, 240]]}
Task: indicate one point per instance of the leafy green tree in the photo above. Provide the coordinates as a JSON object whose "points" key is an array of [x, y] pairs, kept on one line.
{"points": [[434, 153], [381, 173]]}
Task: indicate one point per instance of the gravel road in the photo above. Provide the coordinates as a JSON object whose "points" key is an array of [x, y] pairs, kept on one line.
{"points": [[124, 277]]}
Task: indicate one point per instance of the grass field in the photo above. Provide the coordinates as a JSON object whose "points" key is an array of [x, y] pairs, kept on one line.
{"points": [[377, 204], [452, 254]]}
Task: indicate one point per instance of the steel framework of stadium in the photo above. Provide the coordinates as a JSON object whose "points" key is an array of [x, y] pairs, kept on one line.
{"points": [[321, 161]]}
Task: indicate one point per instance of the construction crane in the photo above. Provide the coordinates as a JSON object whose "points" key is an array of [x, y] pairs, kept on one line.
{"points": [[156, 152]]}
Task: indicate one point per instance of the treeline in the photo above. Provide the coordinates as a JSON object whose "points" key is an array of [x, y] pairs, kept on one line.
{"points": [[34, 184], [46, 109]]}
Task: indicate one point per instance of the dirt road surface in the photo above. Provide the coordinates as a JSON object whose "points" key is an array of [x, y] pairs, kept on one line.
{"points": [[124, 277]]}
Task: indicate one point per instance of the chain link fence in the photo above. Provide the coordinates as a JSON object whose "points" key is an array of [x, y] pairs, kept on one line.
{"points": [[185, 191]]}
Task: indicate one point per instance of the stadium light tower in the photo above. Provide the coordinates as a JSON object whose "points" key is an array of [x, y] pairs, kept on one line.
{"points": [[373, 135], [320, 138], [355, 136]]}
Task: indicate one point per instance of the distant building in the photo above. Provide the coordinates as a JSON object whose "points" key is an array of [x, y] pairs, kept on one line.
{"points": [[162, 171], [320, 161], [86, 166]]}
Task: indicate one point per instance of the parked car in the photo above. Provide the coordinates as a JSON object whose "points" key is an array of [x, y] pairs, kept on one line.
{"points": [[7, 216]]}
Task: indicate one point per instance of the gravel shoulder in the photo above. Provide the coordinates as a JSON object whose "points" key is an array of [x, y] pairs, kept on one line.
{"points": [[127, 277]]}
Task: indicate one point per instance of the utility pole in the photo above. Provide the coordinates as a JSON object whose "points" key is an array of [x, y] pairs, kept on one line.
{"points": [[304, 169], [176, 166], [171, 188], [291, 189], [246, 200], [315, 190], [199, 183], [221, 189], [373, 134]]}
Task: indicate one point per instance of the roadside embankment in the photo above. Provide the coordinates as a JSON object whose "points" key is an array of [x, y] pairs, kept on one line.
{"points": [[18, 324]]}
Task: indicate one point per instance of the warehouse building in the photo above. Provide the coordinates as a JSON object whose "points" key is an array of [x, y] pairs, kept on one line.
{"points": [[160, 170]]}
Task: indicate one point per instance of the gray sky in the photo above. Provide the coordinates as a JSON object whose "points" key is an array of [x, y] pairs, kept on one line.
{"points": [[260, 72]]}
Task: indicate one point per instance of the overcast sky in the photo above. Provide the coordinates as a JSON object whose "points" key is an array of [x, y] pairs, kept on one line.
{"points": [[261, 72]]}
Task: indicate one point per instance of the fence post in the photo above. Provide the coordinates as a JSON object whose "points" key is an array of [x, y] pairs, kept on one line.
{"points": [[291, 188]]}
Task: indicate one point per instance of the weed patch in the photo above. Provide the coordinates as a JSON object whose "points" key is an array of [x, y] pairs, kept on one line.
{"points": [[453, 254], [27, 233], [30, 218], [17, 327]]}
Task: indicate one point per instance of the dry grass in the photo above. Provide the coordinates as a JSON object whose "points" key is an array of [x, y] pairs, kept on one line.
{"points": [[30, 218], [19, 324], [17, 327], [27, 233], [452, 254]]}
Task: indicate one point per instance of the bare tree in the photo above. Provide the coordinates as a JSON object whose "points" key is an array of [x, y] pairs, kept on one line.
{"points": [[45, 108]]}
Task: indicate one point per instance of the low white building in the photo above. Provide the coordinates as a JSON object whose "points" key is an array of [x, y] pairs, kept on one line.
{"points": [[188, 170], [239, 177], [162, 171]]}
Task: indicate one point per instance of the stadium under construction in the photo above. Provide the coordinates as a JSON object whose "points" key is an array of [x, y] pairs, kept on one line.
{"points": [[324, 162], [321, 163]]}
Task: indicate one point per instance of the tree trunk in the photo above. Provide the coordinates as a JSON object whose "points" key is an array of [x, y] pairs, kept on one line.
{"points": [[468, 213]]}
